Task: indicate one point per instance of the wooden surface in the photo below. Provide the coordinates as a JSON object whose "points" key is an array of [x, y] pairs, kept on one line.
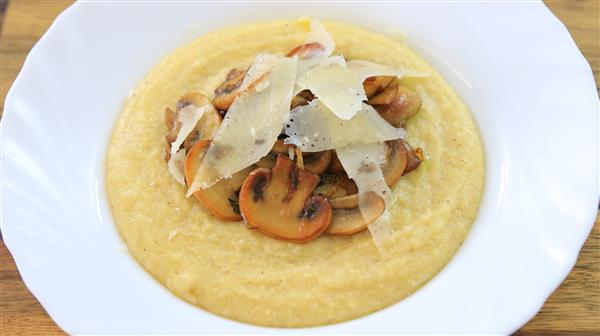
{"points": [[574, 308]]}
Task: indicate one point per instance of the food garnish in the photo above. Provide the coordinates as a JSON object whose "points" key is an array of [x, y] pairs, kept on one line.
{"points": [[298, 145]]}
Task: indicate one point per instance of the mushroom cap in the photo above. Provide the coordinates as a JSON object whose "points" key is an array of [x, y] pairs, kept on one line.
{"points": [[278, 202], [218, 199], [348, 218]]}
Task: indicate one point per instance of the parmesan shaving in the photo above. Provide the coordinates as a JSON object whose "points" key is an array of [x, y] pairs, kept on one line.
{"points": [[381, 230], [315, 128], [188, 117], [234, 147], [365, 69], [175, 165], [338, 87], [314, 62], [257, 72], [362, 163], [317, 62], [339, 84], [319, 34]]}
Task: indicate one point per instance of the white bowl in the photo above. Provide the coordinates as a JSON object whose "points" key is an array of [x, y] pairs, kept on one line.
{"points": [[514, 64]]}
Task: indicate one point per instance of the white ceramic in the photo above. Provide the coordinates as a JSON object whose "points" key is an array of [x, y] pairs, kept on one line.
{"points": [[514, 64]]}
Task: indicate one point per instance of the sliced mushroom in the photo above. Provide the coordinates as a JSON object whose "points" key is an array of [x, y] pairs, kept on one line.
{"points": [[226, 93], [414, 157], [281, 148], [278, 202], [318, 162], [375, 84], [314, 162], [335, 166], [346, 202], [306, 50], [268, 161], [220, 200], [348, 217], [204, 129], [395, 162], [336, 185], [301, 99], [173, 127], [396, 104]]}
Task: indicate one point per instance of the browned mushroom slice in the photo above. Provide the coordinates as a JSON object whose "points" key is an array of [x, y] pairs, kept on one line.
{"points": [[220, 200], [208, 123], [278, 202], [173, 129], [281, 148], [336, 185], [267, 161], [395, 162], [347, 216], [301, 99], [233, 86], [396, 103], [413, 157], [335, 166], [226, 93], [375, 84], [318, 162], [204, 129], [313, 162], [346, 202], [170, 118], [306, 50]]}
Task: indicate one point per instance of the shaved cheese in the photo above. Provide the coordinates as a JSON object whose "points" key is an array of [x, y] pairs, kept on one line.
{"points": [[258, 71], [381, 229], [251, 125], [362, 163], [304, 65], [317, 61], [365, 69], [176, 164], [319, 34], [337, 87], [315, 128], [188, 117], [339, 84]]}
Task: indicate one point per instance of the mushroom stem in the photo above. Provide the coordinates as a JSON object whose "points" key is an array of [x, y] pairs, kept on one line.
{"points": [[299, 158]]}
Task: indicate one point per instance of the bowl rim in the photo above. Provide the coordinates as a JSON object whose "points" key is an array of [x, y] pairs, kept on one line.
{"points": [[21, 256]]}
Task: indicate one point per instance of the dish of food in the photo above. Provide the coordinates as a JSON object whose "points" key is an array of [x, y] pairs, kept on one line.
{"points": [[304, 146], [85, 261]]}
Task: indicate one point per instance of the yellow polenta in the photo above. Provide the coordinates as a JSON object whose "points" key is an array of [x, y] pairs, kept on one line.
{"points": [[244, 275]]}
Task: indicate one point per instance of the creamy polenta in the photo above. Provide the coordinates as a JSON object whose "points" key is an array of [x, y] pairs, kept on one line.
{"points": [[241, 274]]}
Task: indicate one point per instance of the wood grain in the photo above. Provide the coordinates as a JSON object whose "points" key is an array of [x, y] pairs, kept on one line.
{"points": [[574, 308]]}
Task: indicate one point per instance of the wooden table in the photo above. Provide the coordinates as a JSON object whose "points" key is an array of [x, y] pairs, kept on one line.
{"points": [[574, 308]]}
